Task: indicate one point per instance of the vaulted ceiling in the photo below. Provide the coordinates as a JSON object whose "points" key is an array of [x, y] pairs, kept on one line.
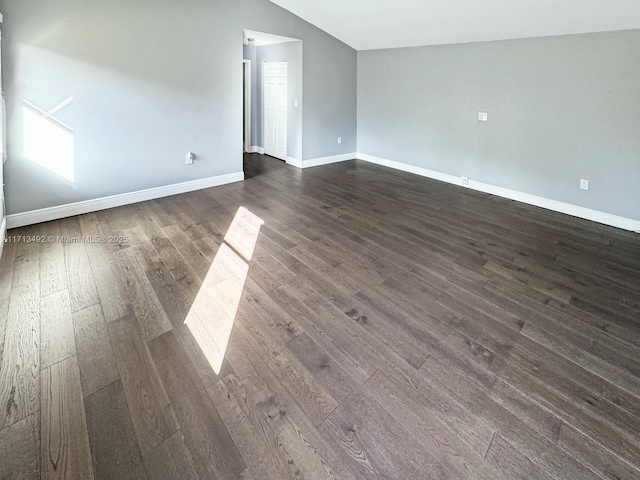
{"points": [[372, 24]]}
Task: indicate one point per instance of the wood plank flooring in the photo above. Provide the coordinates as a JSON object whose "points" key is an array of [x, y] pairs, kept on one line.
{"points": [[390, 327]]}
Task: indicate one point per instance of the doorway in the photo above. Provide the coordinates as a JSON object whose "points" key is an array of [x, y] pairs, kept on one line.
{"points": [[274, 67], [275, 109]]}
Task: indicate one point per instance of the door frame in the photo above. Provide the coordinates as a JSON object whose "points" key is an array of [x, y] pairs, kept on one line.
{"points": [[264, 110], [247, 105]]}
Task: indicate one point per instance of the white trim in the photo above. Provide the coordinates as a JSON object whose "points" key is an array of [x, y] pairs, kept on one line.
{"points": [[549, 204], [79, 208], [3, 234], [255, 149], [423, 172], [315, 162], [294, 162], [555, 205], [247, 105]]}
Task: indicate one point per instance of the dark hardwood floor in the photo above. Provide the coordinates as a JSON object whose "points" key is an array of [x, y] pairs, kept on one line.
{"points": [[389, 327]]}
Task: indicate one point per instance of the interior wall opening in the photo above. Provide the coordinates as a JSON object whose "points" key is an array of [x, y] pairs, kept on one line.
{"points": [[272, 98]]}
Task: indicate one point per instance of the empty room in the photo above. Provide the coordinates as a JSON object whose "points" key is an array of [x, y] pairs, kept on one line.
{"points": [[293, 239]]}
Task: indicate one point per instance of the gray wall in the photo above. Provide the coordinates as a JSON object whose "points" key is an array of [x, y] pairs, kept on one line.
{"points": [[290, 52], [152, 80], [560, 109]]}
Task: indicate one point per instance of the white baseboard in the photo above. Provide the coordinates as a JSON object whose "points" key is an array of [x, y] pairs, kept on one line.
{"points": [[62, 211], [3, 234], [423, 172], [549, 204], [557, 206], [255, 149], [315, 162], [294, 162]]}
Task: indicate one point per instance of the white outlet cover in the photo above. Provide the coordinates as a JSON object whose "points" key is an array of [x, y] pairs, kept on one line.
{"points": [[339, 140], [483, 117], [584, 184], [465, 181]]}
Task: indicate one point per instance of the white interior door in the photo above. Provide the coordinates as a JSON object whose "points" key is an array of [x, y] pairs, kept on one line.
{"points": [[275, 109]]}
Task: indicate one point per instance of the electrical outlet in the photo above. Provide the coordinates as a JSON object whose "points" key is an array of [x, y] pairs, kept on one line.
{"points": [[584, 184], [190, 158], [483, 116], [339, 140], [465, 181]]}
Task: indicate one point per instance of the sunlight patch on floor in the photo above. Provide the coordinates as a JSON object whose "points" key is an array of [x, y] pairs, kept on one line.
{"points": [[213, 312]]}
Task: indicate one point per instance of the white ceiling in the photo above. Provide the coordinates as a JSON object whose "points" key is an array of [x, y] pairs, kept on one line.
{"points": [[261, 38], [371, 24]]}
